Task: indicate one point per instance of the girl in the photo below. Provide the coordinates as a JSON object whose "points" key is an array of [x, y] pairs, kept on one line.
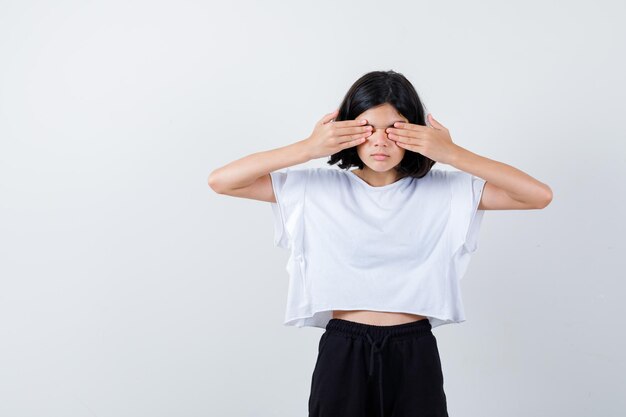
{"points": [[377, 253]]}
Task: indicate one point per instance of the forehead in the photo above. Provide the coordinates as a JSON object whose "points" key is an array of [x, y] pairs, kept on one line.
{"points": [[385, 114]]}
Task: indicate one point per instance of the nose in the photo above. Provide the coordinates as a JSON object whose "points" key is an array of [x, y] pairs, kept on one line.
{"points": [[380, 137]]}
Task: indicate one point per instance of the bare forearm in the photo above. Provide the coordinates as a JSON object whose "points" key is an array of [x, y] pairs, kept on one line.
{"points": [[517, 184], [246, 170]]}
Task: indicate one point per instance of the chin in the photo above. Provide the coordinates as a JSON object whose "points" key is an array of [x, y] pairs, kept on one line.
{"points": [[386, 166]]}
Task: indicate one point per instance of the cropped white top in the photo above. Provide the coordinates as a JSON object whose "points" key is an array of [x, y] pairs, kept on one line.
{"points": [[401, 247]]}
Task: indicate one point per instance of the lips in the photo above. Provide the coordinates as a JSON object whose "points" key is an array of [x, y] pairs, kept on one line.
{"points": [[379, 154]]}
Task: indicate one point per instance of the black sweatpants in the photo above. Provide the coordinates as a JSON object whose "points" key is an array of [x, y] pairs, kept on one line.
{"points": [[364, 370]]}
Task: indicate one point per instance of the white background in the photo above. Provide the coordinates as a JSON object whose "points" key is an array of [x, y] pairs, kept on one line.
{"points": [[129, 288]]}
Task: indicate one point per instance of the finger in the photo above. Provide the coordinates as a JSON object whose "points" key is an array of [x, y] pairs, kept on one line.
{"points": [[436, 124], [399, 132], [406, 136], [353, 137], [350, 123], [352, 143], [408, 146], [397, 139], [352, 130], [409, 126], [328, 117]]}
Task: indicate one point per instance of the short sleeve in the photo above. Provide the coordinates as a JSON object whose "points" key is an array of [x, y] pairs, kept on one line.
{"points": [[466, 192], [289, 189]]}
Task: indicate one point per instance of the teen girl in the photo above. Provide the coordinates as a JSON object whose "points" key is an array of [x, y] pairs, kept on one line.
{"points": [[377, 253]]}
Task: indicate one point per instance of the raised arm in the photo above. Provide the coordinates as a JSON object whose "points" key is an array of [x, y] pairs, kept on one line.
{"points": [[249, 177]]}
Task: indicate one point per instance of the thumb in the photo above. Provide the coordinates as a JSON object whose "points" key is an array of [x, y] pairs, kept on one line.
{"points": [[330, 116], [435, 123]]}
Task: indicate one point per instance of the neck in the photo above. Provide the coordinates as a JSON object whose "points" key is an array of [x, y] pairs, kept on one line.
{"points": [[378, 179]]}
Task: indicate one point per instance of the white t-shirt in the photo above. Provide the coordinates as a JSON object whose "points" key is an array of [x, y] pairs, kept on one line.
{"points": [[402, 247]]}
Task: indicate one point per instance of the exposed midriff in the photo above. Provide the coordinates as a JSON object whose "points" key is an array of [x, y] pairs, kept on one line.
{"points": [[377, 318]]}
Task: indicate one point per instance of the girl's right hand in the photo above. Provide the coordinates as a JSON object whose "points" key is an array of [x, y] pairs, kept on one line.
{"points": [[330, 137]]}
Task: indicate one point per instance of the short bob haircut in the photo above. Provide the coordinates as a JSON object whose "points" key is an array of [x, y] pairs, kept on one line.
{"points": [[371, 90]]}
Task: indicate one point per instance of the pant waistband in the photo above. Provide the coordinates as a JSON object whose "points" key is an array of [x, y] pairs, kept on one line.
{"points": [[417, 327]]}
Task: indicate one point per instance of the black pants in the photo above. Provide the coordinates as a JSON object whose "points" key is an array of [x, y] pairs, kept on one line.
{"points": [[364, 370]]}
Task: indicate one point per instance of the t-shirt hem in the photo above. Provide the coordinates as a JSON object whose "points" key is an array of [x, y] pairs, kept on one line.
{"points": [[319, 317]]}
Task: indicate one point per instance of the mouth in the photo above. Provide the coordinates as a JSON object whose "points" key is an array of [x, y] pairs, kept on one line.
{"points": [[379, 154]]}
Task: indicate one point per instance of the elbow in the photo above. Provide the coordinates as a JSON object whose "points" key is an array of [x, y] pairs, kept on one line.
{"points": [[547, 198], [214, 183]]}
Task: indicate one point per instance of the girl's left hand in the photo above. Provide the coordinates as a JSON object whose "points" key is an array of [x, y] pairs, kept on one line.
{"points": [[432, 142]]}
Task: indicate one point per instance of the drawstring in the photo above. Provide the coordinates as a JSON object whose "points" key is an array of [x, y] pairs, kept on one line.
{"points": [[378, 348]]}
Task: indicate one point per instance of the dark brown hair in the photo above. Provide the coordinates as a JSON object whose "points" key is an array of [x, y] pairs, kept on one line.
{"points": [[371, 90]]}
